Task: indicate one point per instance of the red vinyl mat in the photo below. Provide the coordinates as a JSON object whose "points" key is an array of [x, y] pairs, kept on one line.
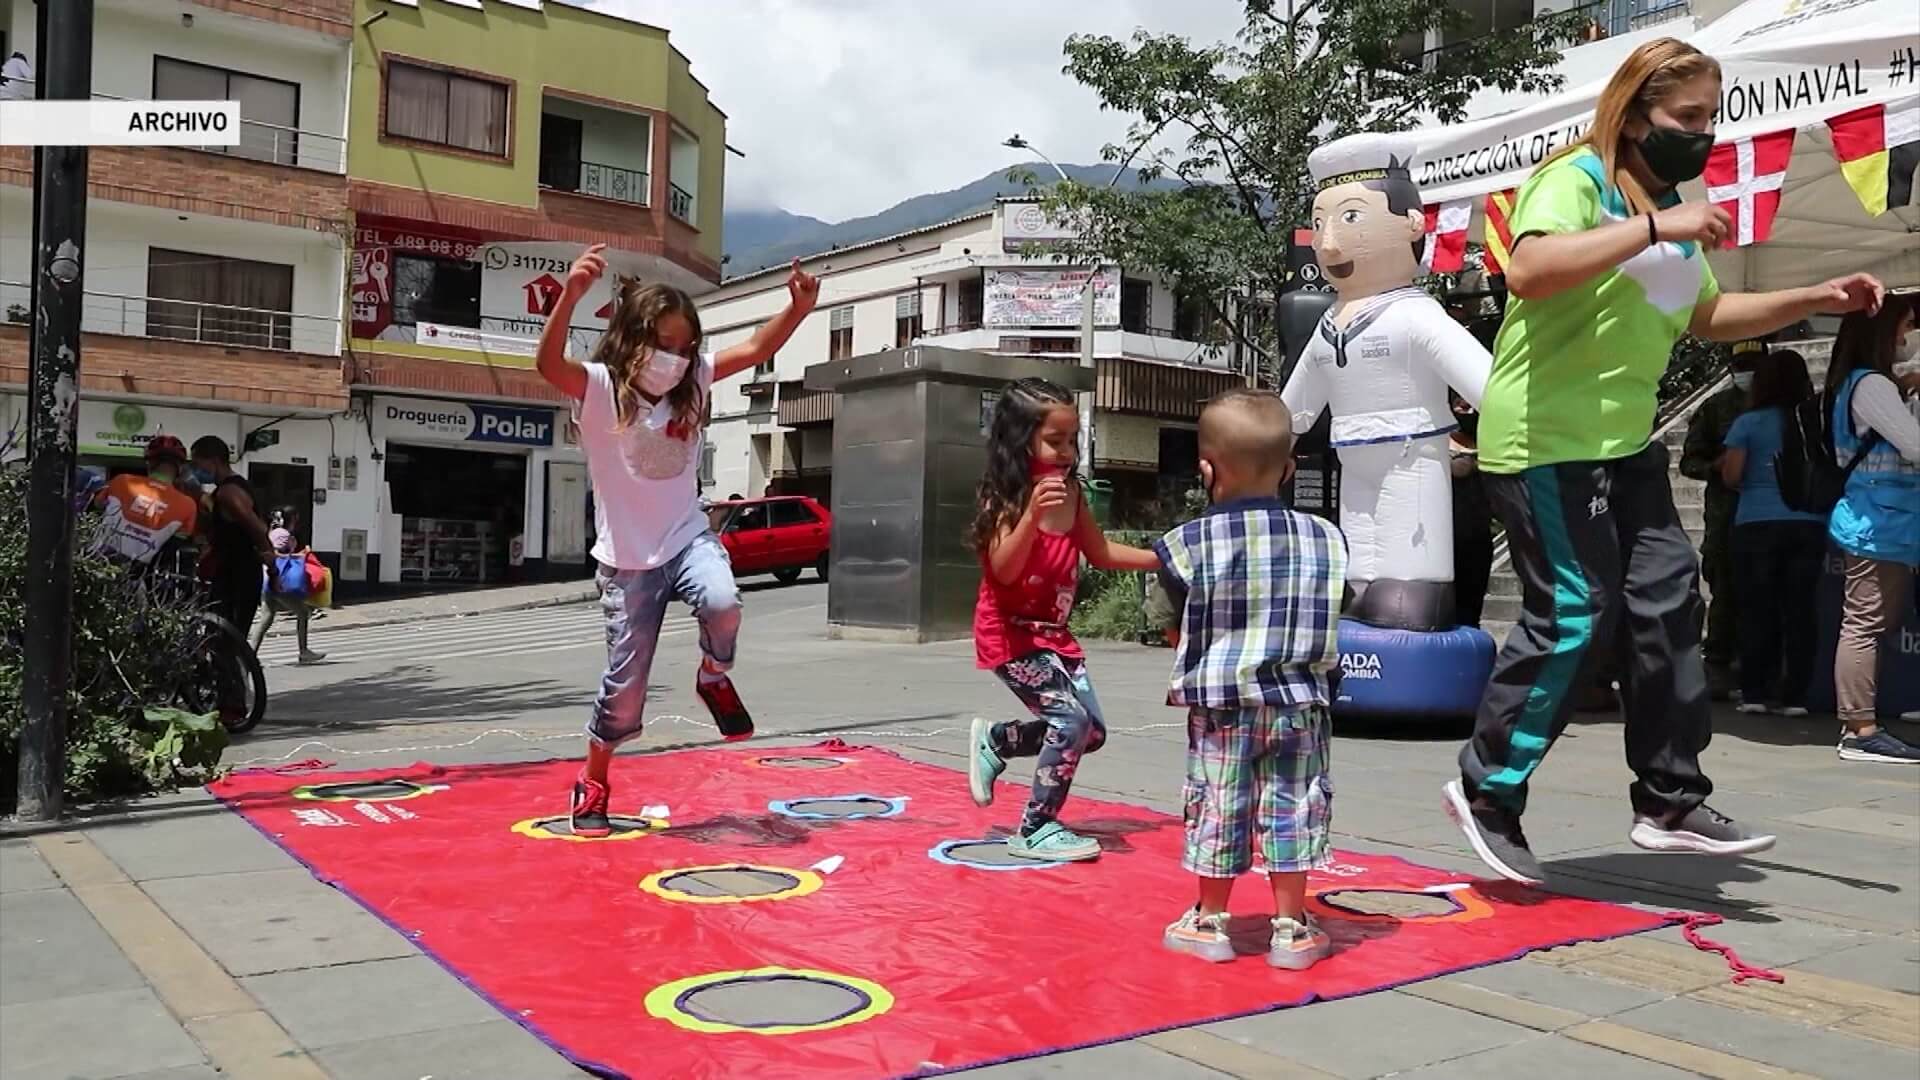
{"points": [[822, 912]]}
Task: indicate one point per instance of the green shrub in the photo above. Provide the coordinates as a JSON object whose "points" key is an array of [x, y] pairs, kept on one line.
{"points": [[122, 738]]}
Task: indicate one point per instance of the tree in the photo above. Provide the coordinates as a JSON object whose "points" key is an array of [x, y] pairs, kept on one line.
{"points": [[1301, 73]]}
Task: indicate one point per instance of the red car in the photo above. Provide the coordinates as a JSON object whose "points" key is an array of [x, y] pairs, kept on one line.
{"points": [[780, 536]]}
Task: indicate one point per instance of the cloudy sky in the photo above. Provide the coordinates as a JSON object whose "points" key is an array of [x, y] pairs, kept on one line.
{"points": [[845, 107]]}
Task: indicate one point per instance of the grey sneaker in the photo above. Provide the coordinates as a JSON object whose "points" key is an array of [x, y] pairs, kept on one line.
{"points": [[1495, 836], [1882, 746], [1700, 831], [1299, 945], [1204, 936], [1054, 842], [984, 765]]}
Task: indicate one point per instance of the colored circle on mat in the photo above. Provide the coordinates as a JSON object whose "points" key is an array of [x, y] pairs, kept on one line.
{"points": [[730, 883], [1456, 903], [560, 827], [364, 791], [839, 807], [986, 855], [768, 1001], [799, 761]]}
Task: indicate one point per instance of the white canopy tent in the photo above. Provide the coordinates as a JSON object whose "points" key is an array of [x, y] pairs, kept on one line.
{"points": [[1786, 64]]}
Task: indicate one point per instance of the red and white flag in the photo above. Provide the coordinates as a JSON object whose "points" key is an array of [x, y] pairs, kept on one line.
{"points": [[1447, 236], [1744, 178]]}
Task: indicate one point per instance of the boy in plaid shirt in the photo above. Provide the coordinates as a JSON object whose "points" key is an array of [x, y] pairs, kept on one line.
{"points": [[1257, 590]]}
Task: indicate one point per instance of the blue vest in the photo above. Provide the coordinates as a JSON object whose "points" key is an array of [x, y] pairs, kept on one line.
{"points": [[1879, 516]]}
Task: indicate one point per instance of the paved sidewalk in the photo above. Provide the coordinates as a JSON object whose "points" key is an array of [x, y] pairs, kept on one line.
{"points": [[409, 609], [170, 941]]}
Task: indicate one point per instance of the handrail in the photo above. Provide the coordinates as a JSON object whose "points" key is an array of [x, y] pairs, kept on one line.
{"points": [[167, 319], [324, 152], [679, 202], [601, 180]]}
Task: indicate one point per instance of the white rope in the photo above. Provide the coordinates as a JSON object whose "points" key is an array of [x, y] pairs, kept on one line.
{"points": [[528, 736]]}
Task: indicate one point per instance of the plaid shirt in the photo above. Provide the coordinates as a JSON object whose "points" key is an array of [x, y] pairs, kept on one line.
{"points": [[1259, 589]]}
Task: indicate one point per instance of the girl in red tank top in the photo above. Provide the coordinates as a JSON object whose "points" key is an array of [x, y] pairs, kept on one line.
{"points": [[1032, 529]]}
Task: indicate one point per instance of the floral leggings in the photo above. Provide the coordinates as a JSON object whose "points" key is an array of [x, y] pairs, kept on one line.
{"points": [[1066, 724]]}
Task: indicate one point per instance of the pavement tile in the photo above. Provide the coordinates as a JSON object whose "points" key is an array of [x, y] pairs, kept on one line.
{"points": [[354, 1002], [22, 869], [1557, 988], [1372, 1035], [195, 839], [1549, 1056], [1097, 1063], [62, 1037], [184, 1072], [1769, 1040], [274, 921], [1889, 963], [497, 1048], [51, 948], [1771, 944]]}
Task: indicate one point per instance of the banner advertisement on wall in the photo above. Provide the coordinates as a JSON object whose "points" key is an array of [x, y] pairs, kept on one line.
{"points": [[376, 278], [1027, 298], [521, 282], [122, 428], [426, 420]]}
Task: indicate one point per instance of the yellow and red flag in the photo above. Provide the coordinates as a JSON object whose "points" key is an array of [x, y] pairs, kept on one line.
{"points": [[1879, 149], [1499, 242]]}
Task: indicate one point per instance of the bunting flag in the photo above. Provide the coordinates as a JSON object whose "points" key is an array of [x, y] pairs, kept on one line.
{"points": [[1499, 244], [1744, 177], [1447, 236], [1879, 149]]}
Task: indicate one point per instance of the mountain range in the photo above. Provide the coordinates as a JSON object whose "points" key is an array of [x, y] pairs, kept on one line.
{"points": [[759, 238]]}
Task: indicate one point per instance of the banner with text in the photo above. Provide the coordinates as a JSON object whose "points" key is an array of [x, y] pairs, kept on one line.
{"points": [[425, 420], [1029, 298]]}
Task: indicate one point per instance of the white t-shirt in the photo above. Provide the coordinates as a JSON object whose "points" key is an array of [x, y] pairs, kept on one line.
{"points": [[646, 494]]}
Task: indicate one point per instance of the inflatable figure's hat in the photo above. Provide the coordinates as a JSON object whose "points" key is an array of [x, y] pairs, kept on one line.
{"points": [[1370, 155]]}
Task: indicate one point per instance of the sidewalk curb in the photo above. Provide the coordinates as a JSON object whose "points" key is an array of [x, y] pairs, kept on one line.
{"points": [[398, 618]]}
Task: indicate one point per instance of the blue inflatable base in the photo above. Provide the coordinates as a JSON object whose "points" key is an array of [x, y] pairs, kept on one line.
{"points": [[1438, 674]]}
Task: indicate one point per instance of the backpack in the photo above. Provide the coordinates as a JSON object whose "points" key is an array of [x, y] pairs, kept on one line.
{"points": [[1811, 478]]}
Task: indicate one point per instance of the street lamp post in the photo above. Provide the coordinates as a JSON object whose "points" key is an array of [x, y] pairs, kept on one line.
{"points": [[1086, 311]]}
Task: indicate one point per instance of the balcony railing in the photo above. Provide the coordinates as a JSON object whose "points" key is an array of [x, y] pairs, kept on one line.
{"points": [[1602, 19], [596, 179], [188, 320], [293, 147], [680, 202]]}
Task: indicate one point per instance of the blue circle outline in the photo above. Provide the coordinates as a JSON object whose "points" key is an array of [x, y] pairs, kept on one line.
{"points": [[896, 805], [941, 853]]}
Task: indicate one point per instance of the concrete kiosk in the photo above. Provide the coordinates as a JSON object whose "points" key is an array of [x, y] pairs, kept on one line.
{"points": [[909, 446]]}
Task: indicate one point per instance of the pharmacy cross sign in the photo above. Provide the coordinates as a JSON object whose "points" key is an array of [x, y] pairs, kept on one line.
{"points": [[1746, 178]]}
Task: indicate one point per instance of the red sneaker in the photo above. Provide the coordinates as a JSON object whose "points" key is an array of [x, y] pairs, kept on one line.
{"points": [[589, 814], [728, 713]]}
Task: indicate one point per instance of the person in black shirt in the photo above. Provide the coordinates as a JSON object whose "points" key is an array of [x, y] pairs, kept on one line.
{"points": [[238, 545]]}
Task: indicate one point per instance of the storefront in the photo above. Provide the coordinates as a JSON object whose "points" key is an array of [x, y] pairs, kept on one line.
{"points": [[477, 493], [114, 434]]}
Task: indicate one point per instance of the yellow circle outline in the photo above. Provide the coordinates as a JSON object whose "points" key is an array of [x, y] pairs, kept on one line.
{"points": [[305, 791], [532, 827], [661, 1001], [808, 882]]}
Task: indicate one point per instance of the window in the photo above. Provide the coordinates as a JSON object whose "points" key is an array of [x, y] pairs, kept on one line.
{"points": [[451, 110], [560, 141], [765, 367], [973, 301], [792, 512], [906, 319], [219, 300], [749, 518], [428, 288], [1136, 305], [840, 334], [269, 108]]}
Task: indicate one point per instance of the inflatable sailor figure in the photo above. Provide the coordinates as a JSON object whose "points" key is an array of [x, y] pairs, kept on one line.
{"points": [[1381, 360]]}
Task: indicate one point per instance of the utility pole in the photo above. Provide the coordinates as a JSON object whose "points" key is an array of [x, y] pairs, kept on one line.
{"points": [[60, 189]]}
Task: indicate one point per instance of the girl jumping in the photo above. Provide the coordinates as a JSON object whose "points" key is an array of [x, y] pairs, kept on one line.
{"points": [[1032, 528], [641, 404]]}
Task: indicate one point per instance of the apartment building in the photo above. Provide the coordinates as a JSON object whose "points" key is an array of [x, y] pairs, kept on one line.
{"points": [[213, 277], [976, 282], [489, 144]]}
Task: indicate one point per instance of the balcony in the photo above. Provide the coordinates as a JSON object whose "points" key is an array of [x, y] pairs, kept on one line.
{"points": [[595, 151], [277, 145], [594, 178], [1598, 21], [680, 203], [189, 321]]}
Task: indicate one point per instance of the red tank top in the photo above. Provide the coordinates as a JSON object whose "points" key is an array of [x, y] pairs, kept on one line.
{"points": [[1011, 621]]}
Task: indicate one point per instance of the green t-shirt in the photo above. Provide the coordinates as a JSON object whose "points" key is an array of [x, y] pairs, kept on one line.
{"points": [[1575, 375]]}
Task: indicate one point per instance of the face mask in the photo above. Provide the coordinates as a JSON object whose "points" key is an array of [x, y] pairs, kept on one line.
{"points": [[661, 373], [1674, 154], [1743, 381], [201, 475]]}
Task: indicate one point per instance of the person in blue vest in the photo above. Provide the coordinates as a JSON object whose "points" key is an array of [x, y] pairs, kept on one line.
{"points": [[1876, 524]]}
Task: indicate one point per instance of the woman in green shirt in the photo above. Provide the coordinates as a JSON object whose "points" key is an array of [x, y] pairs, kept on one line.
{"points": [[1608, 270]]}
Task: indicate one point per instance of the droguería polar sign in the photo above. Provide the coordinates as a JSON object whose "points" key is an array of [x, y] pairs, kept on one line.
{"points": [[426, 420]]}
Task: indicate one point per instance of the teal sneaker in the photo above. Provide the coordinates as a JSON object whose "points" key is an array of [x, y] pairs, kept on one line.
{"points": [[984, 766], [1054, 842]]}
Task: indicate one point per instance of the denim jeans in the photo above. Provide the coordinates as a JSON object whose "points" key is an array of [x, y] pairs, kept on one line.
{"points": [[634, 603]]}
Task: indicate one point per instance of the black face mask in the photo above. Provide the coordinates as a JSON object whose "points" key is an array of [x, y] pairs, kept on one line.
{"points": [[1675, 155]]}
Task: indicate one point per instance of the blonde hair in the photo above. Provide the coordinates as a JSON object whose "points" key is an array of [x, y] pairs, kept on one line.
{"points": [[1647, 77], [633, 332]]}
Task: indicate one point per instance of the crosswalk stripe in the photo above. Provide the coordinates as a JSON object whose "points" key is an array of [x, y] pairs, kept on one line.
{"points": [[503, 634], [463, 632]]}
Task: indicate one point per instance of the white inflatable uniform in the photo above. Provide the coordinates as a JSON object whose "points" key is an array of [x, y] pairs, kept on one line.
{"points": [[1385, 376]]}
